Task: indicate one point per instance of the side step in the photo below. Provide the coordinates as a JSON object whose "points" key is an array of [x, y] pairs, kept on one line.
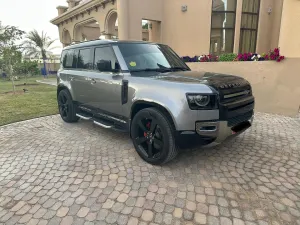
{"points": [[102, 123], [84, 116]]}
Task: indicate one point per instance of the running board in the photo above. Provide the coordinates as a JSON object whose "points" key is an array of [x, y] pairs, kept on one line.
{"points": [[103, 125], [83, 117], [100, 122]]}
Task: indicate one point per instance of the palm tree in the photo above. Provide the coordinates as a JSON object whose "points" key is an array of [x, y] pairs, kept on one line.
{"points": [[38, 45]]}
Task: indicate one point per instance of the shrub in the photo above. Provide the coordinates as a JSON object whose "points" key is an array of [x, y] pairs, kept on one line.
{"points": [[27, 67], [189, 59], [227, 57], [208, 58], [272, 55], [275, 55]]}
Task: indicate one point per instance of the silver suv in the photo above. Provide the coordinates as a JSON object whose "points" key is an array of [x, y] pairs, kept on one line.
{"points": [[147, 90]]}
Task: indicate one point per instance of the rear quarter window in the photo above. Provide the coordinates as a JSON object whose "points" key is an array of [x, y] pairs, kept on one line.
{"points": [[69, 59]]}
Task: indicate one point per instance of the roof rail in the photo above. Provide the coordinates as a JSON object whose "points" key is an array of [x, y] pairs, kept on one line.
{"points": [[77, 42]]}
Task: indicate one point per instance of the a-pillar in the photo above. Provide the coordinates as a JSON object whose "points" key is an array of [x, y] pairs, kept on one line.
{"points": [[289, 32], [154, 28], [123, 19]]}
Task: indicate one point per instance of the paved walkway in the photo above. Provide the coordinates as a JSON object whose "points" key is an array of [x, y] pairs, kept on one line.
{"points": [[49, 82], [57, 173]]}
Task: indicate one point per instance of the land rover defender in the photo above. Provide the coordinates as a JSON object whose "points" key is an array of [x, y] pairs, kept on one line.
{"points": [[147, 90]]}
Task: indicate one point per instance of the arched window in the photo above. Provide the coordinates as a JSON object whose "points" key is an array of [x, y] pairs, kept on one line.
{"points": [[249, 25], [222, 26]]}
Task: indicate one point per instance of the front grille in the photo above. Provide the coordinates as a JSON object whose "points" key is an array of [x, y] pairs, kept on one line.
{"points": [[234, 94], [236, 104], [240, 118]]}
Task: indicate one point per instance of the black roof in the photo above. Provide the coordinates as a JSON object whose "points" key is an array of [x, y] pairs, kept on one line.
{"points": [[102, 42]]}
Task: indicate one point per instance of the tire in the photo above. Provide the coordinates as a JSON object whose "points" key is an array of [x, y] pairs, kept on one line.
{"points": [[153, 136], [67, 108]]}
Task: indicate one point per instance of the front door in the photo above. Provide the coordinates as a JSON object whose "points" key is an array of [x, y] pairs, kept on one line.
{"points": [[106, 82]]}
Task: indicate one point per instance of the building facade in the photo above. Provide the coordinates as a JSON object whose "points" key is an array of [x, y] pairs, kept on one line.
{"points": [[190, 27]]}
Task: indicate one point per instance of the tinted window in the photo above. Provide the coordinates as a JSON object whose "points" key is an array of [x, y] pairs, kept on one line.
{"points": [[84, 59], [105, 59], [63, 58], [69, 58]]}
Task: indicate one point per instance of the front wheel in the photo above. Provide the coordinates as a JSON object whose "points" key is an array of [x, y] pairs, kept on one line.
{"points": [[153, 136], [67, 109]]}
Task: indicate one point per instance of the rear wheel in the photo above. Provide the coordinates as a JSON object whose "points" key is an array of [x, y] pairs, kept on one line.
{"points": [[67, 108], [153, 136]]}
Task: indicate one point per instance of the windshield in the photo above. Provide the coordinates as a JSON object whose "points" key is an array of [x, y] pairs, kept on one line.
{"points": [[151, 57]]}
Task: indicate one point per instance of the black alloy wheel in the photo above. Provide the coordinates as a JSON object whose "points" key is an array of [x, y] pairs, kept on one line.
{"points": [[66, 107], [152, 135]]}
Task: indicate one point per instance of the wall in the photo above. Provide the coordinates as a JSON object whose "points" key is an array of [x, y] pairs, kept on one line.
{"points": [[275, 85], [188, 33], [131, 13], [290, 30], [269, 25]]}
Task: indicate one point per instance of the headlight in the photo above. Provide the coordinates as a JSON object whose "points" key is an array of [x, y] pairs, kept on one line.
{"points": [[201, 101]]}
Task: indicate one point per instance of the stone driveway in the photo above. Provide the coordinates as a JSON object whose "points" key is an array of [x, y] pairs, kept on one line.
{"points": [[57, 173]]}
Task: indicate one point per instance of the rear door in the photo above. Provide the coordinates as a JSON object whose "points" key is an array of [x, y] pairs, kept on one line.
{"points": [[81, 78], [77, 64], [70, 74]]}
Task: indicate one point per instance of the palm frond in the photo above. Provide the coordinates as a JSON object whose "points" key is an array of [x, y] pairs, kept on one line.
{"points": [[37, 44]]}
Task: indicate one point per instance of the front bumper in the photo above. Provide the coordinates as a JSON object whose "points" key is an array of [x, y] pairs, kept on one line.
{"points": [[214, 133], [220, 131]]}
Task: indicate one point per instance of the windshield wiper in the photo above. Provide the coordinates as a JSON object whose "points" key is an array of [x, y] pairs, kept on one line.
{"points": [[173, 68], [179, 68], [160, 70]]}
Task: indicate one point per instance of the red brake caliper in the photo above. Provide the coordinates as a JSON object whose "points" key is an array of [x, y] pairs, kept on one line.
{"points": [[148, 125]]}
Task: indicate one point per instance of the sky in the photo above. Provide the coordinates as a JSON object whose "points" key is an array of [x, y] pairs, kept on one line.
{"points": [[32, 14]]}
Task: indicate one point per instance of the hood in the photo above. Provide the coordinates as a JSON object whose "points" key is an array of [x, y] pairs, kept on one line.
{"points": [[215, 80]]}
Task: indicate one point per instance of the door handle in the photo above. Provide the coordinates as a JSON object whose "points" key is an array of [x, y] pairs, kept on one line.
{"points": [[93, 81]]}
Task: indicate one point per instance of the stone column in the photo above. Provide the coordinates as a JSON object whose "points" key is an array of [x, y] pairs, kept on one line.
{"points": [[238, 20], [123, 19], [289, 32]]}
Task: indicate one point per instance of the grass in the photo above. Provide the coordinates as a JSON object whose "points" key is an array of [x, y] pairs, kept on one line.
{"points": [[40, 100]]}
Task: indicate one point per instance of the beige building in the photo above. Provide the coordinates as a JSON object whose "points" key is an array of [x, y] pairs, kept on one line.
{"points": [[190, 27]]}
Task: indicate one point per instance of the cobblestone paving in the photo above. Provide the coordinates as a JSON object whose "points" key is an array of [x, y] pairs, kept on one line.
{"points": [[57, 173]]}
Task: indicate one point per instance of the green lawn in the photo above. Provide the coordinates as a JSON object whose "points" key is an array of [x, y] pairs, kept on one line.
{"points": [[40, 100]]}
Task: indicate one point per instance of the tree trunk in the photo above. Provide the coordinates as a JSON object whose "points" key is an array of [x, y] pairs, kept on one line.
{"points": [[44, 60], [11, 76], [13, 83]]}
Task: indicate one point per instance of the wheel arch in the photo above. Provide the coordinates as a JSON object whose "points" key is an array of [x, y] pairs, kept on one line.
{"points": [[61, 87], [142, 104]]}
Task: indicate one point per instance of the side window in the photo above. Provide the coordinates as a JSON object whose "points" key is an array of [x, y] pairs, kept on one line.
{"points": [[84, 59], [63, 58], [69, 59], [75, 58], [105, 60]]}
